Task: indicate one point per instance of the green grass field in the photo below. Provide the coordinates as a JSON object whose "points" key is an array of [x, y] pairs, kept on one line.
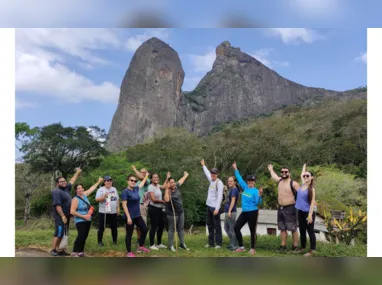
{"points": [[266, 245]]}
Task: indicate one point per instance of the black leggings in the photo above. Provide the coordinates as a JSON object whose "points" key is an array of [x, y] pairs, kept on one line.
{"points": [[111, 219], [140, 224], [304, 226], [157, 224], [251, 218], [83, 229]]}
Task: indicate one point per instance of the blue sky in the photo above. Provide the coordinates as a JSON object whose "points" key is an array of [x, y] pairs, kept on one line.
{"points": [[74, 76]]}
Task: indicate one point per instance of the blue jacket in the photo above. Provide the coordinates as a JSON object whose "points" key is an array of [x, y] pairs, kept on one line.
{"points": [[250, 198]]}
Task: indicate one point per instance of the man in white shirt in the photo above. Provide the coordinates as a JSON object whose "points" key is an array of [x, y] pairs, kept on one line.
{"points": [[214, 199]]}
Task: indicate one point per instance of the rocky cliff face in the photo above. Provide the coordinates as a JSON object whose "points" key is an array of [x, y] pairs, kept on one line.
{"points": [[238, 86]]}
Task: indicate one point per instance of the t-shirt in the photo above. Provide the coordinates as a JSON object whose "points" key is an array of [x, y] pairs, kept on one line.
{"points": [[62, 197], [158, 195], [143, 190], [176, 197], [114, 199], [234, 192], [132, 198]]}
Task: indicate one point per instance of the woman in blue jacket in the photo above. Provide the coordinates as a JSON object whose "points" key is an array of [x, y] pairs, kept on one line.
{"points": [[250, 199]]}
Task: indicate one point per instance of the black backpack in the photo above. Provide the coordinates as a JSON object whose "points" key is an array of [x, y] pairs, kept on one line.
{"points": [[291, 187]]}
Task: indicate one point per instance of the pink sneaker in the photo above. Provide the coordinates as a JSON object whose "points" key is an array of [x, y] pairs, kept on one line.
{"points": [[74, 254], [81, 254], [240, 249], [142, 249], [130, 254], [252, 251]]}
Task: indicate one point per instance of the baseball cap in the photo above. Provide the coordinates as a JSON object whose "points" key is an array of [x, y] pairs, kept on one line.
{"points": [[214, 171], [107, 178], [251, 177]]}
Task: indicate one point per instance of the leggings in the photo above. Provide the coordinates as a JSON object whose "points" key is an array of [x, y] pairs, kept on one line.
{"points": [[304, 227], [250, 218], [157, 224], [111, 219], [140, 224], [83, 229]]}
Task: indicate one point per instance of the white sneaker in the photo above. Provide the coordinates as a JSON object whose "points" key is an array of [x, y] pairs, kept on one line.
{"points": [[153, 247], [218, 246], [183, 246], [207, 246], [172, 249], [161, 246]]}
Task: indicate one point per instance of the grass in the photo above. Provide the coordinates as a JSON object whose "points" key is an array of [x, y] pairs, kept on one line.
{"points": [[266, 245]]}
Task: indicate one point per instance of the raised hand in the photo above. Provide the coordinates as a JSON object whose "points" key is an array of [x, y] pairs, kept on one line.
{"points": [[234, 166], [202, 162], [78, 170], [270, 167], [133, 167], [100, 180], [186, 173], [168, 175]]}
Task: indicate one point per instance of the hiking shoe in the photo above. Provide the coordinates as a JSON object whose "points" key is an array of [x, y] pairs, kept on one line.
{"points": [[100, 244], [142, 249], [309, 253], [208, 245], [161, 246], [63, 253], [74, 254], [252, 251], [183, 246], [240, 249], [282, 249], [53, 252], [81, 254], [172, 248], [218, 246], [130, 254], [153, 247]]}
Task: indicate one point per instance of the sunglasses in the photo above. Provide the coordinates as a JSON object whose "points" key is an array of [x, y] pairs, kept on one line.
{"points": [[131, 180], [306, 176], [284, 171]]}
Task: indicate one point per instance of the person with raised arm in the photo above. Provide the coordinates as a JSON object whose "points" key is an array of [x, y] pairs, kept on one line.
{"points": [[251, 198], [62, 200], [306, 201], [231, 198], [156, 211], [175, 211], [81, 210], [286, 212], [132, 214], [214, 199]]}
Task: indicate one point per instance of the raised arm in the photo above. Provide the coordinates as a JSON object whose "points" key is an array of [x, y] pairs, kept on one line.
{"points": [[165, 182], [75, 176], [181, 180], [94, 187], [167, 195], [137, 173], [143, 181], [238, 177], [302, 173], [274, 176], [206, 171]]}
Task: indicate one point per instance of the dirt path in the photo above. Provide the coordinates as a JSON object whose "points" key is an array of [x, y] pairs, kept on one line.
{"points": [[31, 252]]}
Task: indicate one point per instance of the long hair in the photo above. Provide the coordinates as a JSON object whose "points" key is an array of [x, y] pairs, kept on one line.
{"points": [[151, 177], [310, 188]]}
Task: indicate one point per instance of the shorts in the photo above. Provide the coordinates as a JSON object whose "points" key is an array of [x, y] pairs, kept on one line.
{"points": [[143, 210], [287, 218], [59, 228]]}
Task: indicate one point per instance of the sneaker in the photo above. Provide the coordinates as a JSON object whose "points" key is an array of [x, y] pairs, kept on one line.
{"points": [[252, 251], [309, 253], [142, 249], [240, 249], [63, 253], [53, 252], [100, 244], [208, 245], [183, 246], [282, 249], [153, 247], [81, 254], [230, 247], [74, 254], [161, 246], [172, 248], [234, 248], [130, 254], [218, 246]]}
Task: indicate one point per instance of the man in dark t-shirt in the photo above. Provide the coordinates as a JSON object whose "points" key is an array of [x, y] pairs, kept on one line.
{"points": [[62, 200], [173, 198]]}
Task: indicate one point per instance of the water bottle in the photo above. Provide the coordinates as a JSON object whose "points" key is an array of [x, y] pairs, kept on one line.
{"points": [[91, 210]]}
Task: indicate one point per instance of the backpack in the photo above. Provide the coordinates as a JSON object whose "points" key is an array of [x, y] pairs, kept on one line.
{"points": [[223, 199], [291, 187]]}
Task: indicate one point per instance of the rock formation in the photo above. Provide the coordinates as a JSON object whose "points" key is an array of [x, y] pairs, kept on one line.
{"points": [[238, 86]]}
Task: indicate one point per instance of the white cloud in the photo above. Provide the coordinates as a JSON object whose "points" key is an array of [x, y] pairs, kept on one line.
{"points": [[317, 8], [136, 41], [203, 63], [41, 55], [362, 57], [263, 55], [296, 35]]}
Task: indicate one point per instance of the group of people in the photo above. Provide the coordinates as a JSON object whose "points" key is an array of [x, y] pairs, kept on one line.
{"points": [[145, 197]]}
